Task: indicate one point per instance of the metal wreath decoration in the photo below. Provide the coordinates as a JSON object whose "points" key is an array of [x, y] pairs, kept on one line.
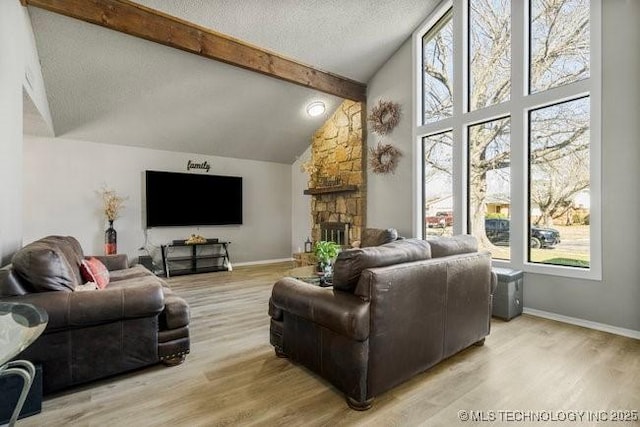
{"points": [[384, 158], [384, 117]]}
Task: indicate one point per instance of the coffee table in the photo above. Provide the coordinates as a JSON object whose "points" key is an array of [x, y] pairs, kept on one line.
{"points": [[20, 325], [309, 275]]}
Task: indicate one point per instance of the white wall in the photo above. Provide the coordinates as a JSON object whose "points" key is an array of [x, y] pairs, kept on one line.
{"points": [[11, 70], [62, 177], [615, 300], [17, 55], [300, 204], [389, 195]]}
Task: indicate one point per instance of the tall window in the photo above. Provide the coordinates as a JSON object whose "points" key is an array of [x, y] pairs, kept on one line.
{"points": [[559, 183], [489, 185], [489, 52], [437, 59], [508, 130], [437, 149], [438, 189], [559, 39]]}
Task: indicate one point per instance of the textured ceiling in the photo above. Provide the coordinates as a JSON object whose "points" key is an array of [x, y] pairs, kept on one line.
{"points": [[352, 38], [104, 86]]}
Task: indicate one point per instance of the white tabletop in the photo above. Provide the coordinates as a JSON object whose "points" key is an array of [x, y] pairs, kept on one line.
{"points": [[20, 325]]}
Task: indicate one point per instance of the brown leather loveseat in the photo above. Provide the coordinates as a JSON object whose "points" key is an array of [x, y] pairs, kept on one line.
{"points": [[134, 322], [394, 311]]}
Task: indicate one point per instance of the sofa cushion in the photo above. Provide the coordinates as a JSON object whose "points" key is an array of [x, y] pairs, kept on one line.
{"points": [[69, 245], [44, 266], [93, 270], [71, 249], [351, 262], [129, 273], [460, 244], [114, 262], [377, 236]]}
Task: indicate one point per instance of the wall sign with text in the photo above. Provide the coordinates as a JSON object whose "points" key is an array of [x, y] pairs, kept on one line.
{"points": [[198, 165]]}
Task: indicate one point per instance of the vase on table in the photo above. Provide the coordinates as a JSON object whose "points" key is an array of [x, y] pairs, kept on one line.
{"points": [[327, 269], [110, 240]]}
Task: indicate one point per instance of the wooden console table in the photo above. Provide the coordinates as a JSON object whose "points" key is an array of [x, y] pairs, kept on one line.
{"points": [[182, 258]]}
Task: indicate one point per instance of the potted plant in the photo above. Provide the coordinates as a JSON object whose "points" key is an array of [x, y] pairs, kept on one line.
{"points": [[325, 253]]}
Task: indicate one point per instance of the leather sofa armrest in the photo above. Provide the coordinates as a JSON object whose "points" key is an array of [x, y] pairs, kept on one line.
{"points": [[78, 309], [112, 262], [339, 311]]}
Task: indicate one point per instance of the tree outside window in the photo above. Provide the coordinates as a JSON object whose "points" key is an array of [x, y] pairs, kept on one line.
{"points": [[556, 140]]}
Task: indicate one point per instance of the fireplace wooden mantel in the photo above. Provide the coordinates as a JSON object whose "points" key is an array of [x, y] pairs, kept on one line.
{"points": [[332, 189]]}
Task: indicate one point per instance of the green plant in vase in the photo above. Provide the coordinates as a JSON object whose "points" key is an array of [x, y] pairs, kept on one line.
{"points": [[326, 252]]}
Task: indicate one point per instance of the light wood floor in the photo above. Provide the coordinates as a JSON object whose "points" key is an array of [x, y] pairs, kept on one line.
{"points": [[232, 376]]}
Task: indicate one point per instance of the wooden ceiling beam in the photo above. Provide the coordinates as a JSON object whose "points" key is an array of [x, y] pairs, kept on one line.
{"points": [[150, 24]]}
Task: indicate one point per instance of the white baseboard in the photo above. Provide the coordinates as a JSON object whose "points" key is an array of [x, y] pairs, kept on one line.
{"points": [[265, 261], [585, 323]]}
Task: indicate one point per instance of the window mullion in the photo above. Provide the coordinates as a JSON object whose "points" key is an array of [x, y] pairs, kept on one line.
{"points": [[595, 94], [519, 160], [488, 113], [433, 128], [460, 89], [557, 94]]}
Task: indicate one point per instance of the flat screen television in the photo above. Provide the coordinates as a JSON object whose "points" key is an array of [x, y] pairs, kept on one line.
{"points": [[185, 199]]}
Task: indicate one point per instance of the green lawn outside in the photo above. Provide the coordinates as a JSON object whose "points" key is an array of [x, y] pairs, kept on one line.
{"points": [[573, 250]]}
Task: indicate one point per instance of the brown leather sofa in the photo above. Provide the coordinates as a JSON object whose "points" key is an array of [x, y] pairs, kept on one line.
{"points": [[134, 322], [394, 311]]}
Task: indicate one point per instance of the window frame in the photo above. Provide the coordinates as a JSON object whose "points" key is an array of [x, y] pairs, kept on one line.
{"points": [[519, 105]]}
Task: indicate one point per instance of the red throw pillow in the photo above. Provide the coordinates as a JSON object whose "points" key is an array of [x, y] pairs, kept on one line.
{"points": [[93, 270]]}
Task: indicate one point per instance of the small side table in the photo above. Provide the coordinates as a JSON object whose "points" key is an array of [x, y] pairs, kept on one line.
{"points": [[20, 325], [508, 297], [308, 274]]}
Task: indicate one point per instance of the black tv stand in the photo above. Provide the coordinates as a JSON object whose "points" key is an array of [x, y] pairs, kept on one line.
{"points": [[181, 258]]}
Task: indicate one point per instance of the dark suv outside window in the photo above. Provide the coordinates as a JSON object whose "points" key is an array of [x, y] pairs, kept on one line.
{"points": [[498, 233]]}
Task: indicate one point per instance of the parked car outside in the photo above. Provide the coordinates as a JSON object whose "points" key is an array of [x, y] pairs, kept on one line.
{"points": [[440, 219], [497, 231]]}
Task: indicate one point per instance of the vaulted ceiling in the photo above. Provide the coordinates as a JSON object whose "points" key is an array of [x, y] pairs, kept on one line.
{"points": [[106, 86]]}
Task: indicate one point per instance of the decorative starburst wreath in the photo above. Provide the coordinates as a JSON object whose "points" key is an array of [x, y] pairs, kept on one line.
{"points": [[384, 117], [384, 158]]}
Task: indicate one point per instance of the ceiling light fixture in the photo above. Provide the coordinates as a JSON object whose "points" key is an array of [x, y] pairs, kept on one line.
{"points": [[315, 108]]}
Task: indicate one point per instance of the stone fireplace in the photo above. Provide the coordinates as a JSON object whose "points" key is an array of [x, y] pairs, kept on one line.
{"points": [[338, 185]]}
